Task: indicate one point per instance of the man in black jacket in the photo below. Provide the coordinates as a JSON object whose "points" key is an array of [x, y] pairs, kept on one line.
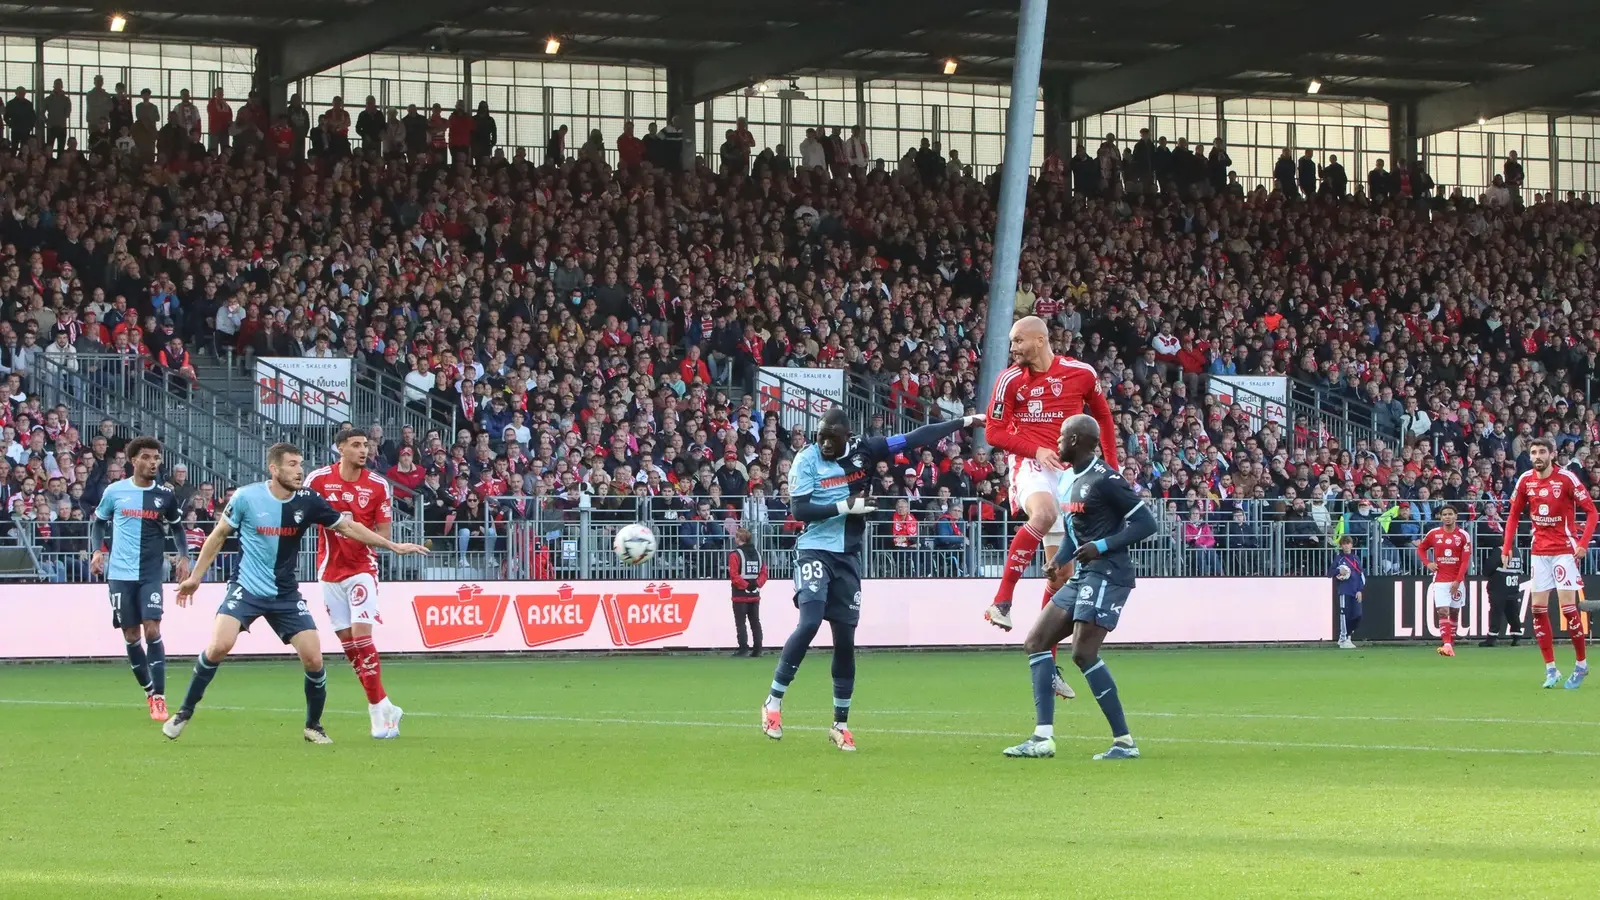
{"points": [[20, 118], [1307, 174], [369, 125]]}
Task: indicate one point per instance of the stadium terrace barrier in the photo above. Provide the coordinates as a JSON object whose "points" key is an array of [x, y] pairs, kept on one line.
{"points": [[1396, 609], [74, 621]]}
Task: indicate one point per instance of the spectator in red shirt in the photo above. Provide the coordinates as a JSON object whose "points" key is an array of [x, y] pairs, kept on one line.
{"points": [[630, 150], [219, 120], [693, 367], [460, 134]]}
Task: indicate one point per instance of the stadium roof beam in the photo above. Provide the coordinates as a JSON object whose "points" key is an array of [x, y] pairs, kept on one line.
{"points": [[1557, 82], [375, 27], [814, 43], [1255, 47]]}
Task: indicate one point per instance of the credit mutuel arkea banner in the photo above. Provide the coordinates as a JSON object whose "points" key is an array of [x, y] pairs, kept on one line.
{"points": [[295, 390], [1260, 396], [62, 621], [823, 388]]}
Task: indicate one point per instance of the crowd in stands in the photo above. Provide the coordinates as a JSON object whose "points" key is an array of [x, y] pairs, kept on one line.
{"points": [[597, 317]]}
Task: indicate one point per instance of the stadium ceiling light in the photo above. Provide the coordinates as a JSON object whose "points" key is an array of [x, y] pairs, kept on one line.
{"points": [[118, 23], [552, 45], [950, 66], [1315, 87], [1482, 121]]}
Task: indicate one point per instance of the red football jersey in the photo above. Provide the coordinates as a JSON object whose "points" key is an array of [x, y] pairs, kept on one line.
{"points": [[367, 500], [1028, 407], [1452, 550], [1552, 504]]}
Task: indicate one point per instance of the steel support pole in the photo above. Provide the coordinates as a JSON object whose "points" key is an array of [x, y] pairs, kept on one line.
{"points": [[1013, 196]]}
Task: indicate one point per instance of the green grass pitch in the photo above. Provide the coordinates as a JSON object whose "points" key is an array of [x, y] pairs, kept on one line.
{"points": [[1267, 773]]}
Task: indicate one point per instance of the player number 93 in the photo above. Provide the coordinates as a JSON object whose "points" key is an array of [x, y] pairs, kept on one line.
{"points": [[807, 575]]}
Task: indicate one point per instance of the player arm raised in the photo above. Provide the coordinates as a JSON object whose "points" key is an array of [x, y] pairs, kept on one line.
{"points": [[356, 531]]}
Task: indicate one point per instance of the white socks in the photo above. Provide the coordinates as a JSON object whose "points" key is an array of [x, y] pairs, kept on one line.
{"points": [[1044, 731]]}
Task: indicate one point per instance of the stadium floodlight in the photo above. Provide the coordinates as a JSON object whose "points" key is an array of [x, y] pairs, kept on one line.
{"points": [[950, 66], [118, 23], [1482, 121], [1315, 87], [552, 45]]}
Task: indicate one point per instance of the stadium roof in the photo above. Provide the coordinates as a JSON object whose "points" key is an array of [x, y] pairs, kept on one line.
{"points": [[1458, 59]]}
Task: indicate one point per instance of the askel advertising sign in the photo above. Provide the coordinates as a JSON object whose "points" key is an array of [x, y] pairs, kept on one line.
{"points": [[64, 621]]}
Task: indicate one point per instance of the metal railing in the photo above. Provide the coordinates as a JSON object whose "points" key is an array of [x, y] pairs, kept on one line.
{"points": [[561, 539], [217, 440]]}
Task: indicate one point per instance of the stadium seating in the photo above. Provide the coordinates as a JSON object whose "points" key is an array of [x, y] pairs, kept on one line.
{"points": [[577, 345]]}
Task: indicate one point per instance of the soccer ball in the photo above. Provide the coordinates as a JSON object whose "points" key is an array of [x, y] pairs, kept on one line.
{"points": [[634, 544], [1344, 572]]}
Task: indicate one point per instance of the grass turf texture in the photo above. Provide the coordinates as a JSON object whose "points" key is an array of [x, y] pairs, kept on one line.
{"points": [[1380, 773]]}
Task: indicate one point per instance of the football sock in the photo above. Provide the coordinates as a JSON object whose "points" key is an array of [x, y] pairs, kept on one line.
{"points": [[157, 653], [1541, 633], [1447, 630], [1105, 694], [316, 696], [844, 670], [363, 656], [140, 666], [204, 671], [1018, 558], [1575, 631], [1042, 666]]}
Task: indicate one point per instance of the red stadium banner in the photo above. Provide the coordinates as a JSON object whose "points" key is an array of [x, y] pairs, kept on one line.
{"points": [[74, 621]]}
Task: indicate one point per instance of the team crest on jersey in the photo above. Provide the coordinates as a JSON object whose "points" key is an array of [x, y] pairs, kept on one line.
{"points": [[299, 516], [1055, 388], [1555, 491], [1085, 592], [363, 500]]}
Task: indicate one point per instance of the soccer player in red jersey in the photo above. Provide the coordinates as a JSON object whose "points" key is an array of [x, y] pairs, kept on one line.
{"points": [[348, 569], [1551, 497], [1452, 557], [1031, 399]]}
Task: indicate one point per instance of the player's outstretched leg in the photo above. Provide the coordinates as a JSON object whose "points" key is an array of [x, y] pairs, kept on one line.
{"points": [[1086, 641], [789, 660], [1545, 638], [225, 631], [1569, 611], [1053, 624], [1018, 557], [844, 684]]}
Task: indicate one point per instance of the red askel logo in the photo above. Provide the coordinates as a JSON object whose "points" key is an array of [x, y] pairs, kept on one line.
{"points": [[467, 615], [548, 618], [653, 614]]}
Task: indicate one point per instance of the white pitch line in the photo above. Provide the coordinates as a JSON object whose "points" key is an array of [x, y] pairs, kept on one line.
{"points": [[911, 732]]}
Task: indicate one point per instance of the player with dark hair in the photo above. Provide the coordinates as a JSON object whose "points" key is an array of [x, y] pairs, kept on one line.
{"points": [[1451, 563], [1551, 496], [348, 569], [270, 518], [1104, 518], [138, 515], [827, 568]]}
